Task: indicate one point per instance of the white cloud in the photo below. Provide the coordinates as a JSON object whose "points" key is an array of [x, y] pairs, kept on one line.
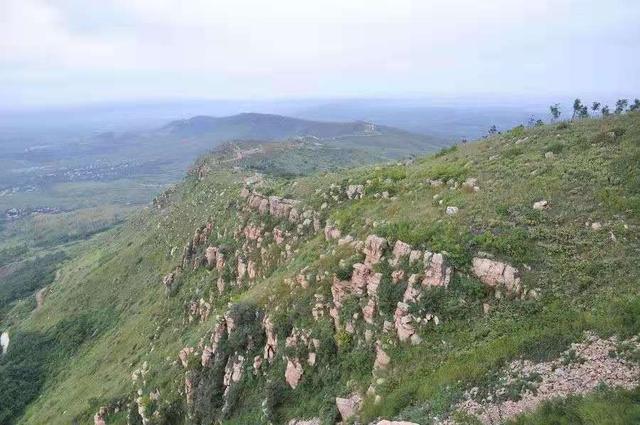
{"points": [[242, 48]]}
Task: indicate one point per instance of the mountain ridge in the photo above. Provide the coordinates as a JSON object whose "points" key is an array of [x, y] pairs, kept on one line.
{"points": [[397, 290]]}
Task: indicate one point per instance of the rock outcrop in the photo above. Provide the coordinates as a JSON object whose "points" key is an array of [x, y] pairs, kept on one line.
{"points": [[404, 323], [348, 407], [497, 275], [374, 247], [293, 373]]}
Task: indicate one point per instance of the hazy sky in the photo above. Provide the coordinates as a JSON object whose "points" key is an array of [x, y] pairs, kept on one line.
{"points": [[71, 51]]}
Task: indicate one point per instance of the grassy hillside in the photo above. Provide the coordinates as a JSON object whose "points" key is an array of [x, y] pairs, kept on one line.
{"points": [[107, 337]]}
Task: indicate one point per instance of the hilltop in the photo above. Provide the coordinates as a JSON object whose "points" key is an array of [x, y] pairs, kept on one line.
{"points": [[458, 287]]}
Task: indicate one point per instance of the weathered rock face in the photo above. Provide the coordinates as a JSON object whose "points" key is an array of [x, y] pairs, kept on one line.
{"points": [[241, 269], [331, 232], [348, 407], [436, 272], [184, 355], [272, 339], [405, 324], [279, 207], [401, 249], [233, 370], [211, 255], [278, 236], [198, 310], [496, 274], [252, 232], [364, 280], [169, 281], [293, 373], [373, 249]]}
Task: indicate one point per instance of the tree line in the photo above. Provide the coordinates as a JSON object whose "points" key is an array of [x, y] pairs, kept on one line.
{"points": [[581, 110]]}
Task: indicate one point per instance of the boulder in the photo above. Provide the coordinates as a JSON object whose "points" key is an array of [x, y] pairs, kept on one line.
{"points": [[452, 210], [348, 407], [293, 373], [541, 205], [495, 274]]}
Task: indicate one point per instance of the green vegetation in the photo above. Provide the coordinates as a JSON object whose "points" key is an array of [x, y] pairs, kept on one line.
{"points": [[585, 278]]}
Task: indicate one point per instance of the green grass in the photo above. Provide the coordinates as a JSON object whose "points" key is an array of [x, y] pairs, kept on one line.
{"points": [[585, 278]]}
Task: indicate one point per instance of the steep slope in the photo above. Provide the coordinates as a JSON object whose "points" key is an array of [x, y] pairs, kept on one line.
{"points": [[399, 291]]}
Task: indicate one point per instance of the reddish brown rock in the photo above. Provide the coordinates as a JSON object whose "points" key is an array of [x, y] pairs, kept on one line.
{"points": [[368, 311], [252, 270], [331, 232], [436, 272], [184, 355], [405, 324], [211, 255], [293, 373], [382, 358], [272, 339], [252, 232], [373, 249], [401, 249], [278, 236], [348, 407], [496, 274]]}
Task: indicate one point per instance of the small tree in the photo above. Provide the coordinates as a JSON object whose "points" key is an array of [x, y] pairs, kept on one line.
{"points": [[595, 106], [635, 106], [605, 111], [555, 111], [584, 112], [621, 105], [577, 107], [539, 123], [493, 130]]}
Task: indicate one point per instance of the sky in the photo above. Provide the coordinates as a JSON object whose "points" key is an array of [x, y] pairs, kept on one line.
{"points": [[60, 52]]}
